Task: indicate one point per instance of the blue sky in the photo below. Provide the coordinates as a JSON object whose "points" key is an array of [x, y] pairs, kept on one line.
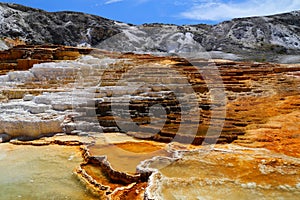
{"points": [[168, 11]]}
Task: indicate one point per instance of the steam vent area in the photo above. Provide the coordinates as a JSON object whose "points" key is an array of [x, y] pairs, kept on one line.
{"points": [[82, 123]]}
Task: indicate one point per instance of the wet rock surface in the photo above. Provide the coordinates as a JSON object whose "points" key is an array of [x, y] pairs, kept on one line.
{"points": [[140, 121], [224, 172], [280, 133], [111, 164]]}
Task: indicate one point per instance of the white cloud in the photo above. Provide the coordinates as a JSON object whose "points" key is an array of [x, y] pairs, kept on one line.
{"points": [[112, 1], [215, 10], [133, 1]]}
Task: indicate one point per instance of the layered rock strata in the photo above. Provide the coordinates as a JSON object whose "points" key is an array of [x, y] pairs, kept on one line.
{"points": [[36, 102], [151, 101], [148, 97], [23, 57], [165, 99]]}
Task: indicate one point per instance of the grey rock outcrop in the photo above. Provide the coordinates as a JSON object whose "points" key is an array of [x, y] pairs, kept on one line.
{"points": [[254, 38], [68, 28]]}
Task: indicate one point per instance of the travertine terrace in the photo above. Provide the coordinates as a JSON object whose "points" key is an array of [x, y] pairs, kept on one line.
{"points": [[154, 113]]}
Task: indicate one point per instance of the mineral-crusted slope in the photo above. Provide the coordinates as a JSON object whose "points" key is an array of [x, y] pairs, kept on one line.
{"points": [[149, 98]]}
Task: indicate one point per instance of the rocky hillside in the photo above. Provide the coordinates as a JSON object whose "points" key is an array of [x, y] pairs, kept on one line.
{"points": [[67, 28], [271, 36]]}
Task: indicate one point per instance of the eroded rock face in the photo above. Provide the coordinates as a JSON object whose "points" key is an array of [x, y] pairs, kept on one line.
{"points": [[66, 28]]}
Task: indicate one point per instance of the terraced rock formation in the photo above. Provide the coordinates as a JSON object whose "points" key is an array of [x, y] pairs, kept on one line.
{"points": [[139, 100], [23, 57], [140, 119]]}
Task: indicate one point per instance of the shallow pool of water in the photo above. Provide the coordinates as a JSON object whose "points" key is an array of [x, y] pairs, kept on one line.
{"points": [[46, 172], [127, 156]]}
